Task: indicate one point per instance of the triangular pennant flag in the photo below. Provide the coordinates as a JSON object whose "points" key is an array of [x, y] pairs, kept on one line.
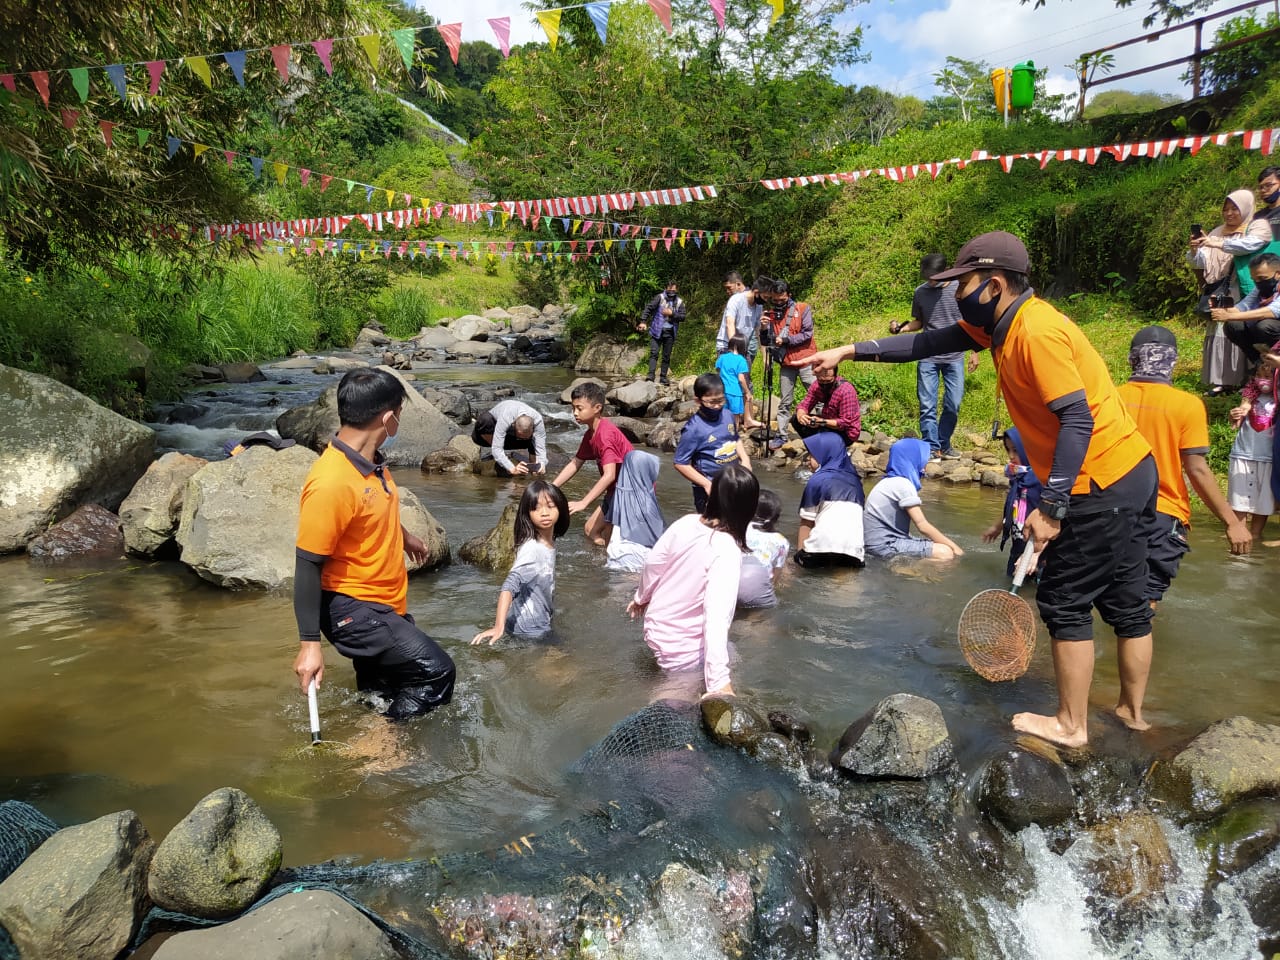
{"points": [[502, 30], [599, 13], [304, 175], [256, 163], [325, 180], [173, 144], [323, 49], [69, 118], [155, 68], [663, 9], [143, 136], [371, 43], [391, 197], [550, 20], [235, 60], [280, 57], [80, 80], [280, 169], [452, 34], [115, 73], [7, 80], [717, 7], [200, 67], [229, 155], [350, 185], [404, 40], [199, 148], [777, 10], [41, 80], [107, 128], [368, 194]]}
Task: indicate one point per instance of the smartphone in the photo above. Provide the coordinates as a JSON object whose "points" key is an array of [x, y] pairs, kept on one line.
{"points": [[1197, 231]]}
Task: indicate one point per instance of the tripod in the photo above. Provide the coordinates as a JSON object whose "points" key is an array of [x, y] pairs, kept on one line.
{"points": [[766, 349]]}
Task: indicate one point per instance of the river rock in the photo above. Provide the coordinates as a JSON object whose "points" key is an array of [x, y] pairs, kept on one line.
{"points": [[553, 311], [994, 478], [610, 357], [731, 722], [634, 398], [1018, 788], [1241, 837], [303, 362], [311, 424], [566, 395], [81, 895], [784, 724], [524, 310], [370, 339], [711, 917], [91, 531], [239, 517], [22, 829], [417, 519], [659, 407], [1130, 860], [436, 338], [480, 350], [902, 736], [665, 435], [637, 431], [326, 365], [521, 324], [60, 450], [684, 410], [243, 372], [497, 315], [452, 403], [470, 327], [495, 550], [462, 455], [149, 515], [1231, 760], [305, 925], [218, 859]]}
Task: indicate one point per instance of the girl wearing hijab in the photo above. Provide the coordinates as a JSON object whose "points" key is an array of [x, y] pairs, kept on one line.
{"points": [[1212, 257], [637, 518], [894, 504], [831, 507], [1022, 498]]}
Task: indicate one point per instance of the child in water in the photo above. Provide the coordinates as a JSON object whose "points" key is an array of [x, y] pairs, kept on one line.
{"points": [[766, 553], [525, 602], [894, 504], [1022, 498], [831, 506], [735, 374]]}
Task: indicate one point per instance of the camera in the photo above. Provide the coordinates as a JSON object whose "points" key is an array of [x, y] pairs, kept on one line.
{"points": [[1197, 231], [1221, 301]]}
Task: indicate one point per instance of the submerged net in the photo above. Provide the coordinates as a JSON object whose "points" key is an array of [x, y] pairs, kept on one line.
{"points": [[661, 727], [998, 635], [22, 829]]}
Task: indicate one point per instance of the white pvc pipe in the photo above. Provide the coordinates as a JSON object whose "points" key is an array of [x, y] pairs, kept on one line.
{"points": [[314, 709]]}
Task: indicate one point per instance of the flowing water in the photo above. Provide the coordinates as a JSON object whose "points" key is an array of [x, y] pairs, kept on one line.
{"points": [[134, 684]]}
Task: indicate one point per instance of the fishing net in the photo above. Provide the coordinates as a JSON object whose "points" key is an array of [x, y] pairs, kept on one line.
{"points": [[22, 829], [661, 727], [998, 635]]}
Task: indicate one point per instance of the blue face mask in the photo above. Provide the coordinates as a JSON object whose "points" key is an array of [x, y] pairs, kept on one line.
{"points": [[981, 315], [389, 442]]}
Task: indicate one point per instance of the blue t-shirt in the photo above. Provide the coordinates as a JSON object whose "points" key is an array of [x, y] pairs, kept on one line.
{"points": [[729, 365], [708, 447]]}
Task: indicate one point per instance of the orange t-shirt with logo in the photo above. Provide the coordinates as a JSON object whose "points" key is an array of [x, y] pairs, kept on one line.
{"points": [[354, 521], [1045, 357], [1174, 422]]}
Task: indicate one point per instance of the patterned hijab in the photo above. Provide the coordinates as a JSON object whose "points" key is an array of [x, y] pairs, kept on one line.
{"points": [[1152, 354]]}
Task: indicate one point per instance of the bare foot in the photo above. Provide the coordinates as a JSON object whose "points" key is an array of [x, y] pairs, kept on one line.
{"points": [[1130, 720], [600, 541], [1049, 728]]}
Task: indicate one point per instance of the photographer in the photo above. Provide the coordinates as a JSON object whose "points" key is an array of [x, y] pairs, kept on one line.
{"points": [[787, 331], [1254, 323]]}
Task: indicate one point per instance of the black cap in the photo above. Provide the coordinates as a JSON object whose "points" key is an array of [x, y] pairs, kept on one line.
{"points": [[1154, 334], [997, 250]]}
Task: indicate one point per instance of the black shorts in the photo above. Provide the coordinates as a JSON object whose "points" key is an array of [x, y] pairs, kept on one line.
{"points": [[1165, 550], [1100, 560], [391, 655]]}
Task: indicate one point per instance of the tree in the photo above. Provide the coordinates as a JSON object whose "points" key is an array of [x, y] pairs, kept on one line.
{"points": [[968, 90], [1086, 67], [1112, 102], [1240, 65], [869, 115], [1164, 11]]}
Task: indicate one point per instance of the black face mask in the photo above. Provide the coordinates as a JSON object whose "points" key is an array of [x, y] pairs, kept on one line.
{"points": [[1272, 197], [981, 315], [1267, 288]]}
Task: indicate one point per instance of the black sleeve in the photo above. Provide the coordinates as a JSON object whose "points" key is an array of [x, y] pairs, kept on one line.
{"points": [[306, 594], [1075, 428], [906, 347]]}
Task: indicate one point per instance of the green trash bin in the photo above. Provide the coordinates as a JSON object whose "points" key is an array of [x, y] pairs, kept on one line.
{"points": [[1022, 92]]}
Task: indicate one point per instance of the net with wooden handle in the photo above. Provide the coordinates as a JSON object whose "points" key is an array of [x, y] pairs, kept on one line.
{"points": [[997, 629]]}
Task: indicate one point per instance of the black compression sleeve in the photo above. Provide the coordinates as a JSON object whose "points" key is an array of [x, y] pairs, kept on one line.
{"points": [[1075, 428], [306, 596], [915, 346]]}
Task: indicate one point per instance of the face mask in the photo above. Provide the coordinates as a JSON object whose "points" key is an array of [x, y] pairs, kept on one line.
{"points": [[1272, 197], [1267, 288], [391, 439], [1015, 470], [709, 414], [981, 315]]}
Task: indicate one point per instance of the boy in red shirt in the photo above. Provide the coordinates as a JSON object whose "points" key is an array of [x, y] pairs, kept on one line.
{"points": [[603, 443]]}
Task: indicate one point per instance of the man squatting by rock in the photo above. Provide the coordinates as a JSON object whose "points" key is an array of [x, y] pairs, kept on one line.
{"points": [[350, 581], [513, 426], [1098, 511]]}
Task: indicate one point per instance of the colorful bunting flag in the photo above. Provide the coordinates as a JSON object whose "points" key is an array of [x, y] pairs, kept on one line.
{"points": [[550, 20], [717, 7], [154, 69], [116, 74], [143, 136], [108, 129], [452, 35], [280, 169], [256, 163], [173, 144], [200, 67], [198, 148], [777, 10], [502, 30], [324, 49], [663, 9], [80, 80], [7, 80], [228, 155], [69, 118], [371, 43], [304, 175], [405, 40], [599, 13], [280, 57], [235, 60]]}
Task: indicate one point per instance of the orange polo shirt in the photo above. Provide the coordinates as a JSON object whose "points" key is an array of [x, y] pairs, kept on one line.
{"points": [[1045, 357], [350, 515], [1174, 422]]}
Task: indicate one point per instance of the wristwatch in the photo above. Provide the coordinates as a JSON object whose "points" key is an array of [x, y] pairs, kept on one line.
{"points": [[1054, 509]]}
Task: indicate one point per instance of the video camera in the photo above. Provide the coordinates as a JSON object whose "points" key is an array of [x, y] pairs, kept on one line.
{"points": [[768, 342]]}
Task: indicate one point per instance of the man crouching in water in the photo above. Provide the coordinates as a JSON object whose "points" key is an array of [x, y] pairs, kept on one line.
{"points": [[350, 580]]}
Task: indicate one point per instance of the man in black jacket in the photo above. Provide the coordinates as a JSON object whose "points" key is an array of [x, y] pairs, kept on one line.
{"points": [[662, 317]]}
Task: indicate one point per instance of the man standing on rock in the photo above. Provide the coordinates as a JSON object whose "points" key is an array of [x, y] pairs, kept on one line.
{"points": [[1098, 509], [662, 317], [512, 425], [350, 581], [791, 334]]}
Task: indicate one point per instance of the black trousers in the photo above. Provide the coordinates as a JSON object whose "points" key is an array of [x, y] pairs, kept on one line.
{"points": [[391, 655], [664, 343], [482, 435], [1246, 334]]}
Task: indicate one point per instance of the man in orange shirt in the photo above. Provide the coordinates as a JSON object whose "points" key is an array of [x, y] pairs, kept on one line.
{"points": [[1174, 423], [1099, 502], [350, 581]]}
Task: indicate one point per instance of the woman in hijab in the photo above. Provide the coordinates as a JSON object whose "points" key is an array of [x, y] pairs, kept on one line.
{"points": [[1022, 498], [1213, 259], [894, 504], [831, 507], [637, 518]]}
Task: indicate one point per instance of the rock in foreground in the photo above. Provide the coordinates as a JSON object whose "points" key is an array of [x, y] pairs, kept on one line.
{"points": [[902, 736], [1231, 760]]}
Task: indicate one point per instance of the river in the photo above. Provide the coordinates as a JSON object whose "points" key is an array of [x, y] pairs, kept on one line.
{"points": [[135, 684]]}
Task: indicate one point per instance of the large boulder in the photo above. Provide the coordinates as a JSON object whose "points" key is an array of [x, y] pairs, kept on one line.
{"points": [[497, 315], [611, 357], [566, 395], [239, 518], [417, 519], [452, 403], [149, 514], [634, 398], [470, 327], [637, 431], [303, 925], [521, 324], [370, 339], [1231, 760], [311, 424], [436, 338], [495, 550], [665, 435], [902, 736], [60, 450], [524, 310], [90, 532], [218, 859], [731, 722], [1020, 787], [1241, 837], [241, 373], [478, 349], [81, 895], [462, 455]]}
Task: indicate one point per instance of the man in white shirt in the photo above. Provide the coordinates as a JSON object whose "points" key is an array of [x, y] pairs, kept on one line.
{"points": [[513, 426]]}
